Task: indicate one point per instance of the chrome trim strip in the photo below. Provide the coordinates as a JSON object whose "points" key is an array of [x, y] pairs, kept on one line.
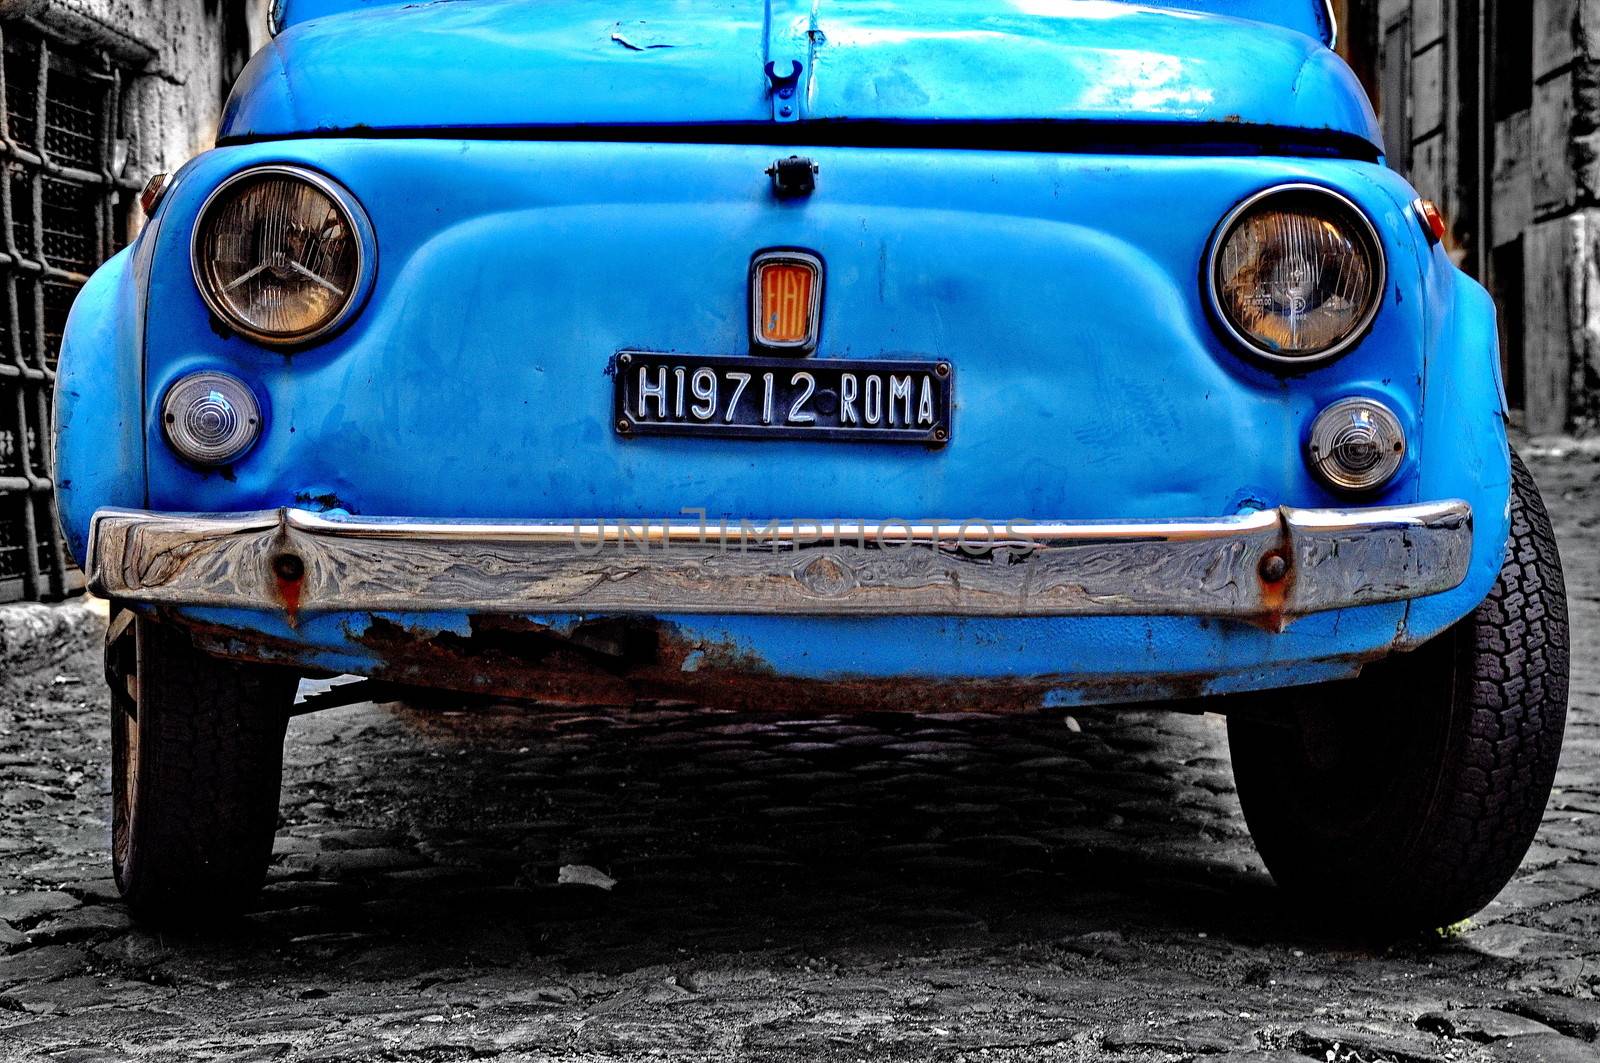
{"points": [[1337, 558], [787, 535]]}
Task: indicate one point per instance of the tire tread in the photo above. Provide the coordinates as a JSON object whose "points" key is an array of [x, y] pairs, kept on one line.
{"points": [[210, 766], [1444, 757]]}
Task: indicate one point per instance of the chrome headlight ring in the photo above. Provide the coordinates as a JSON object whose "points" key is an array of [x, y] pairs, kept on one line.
{"points": [[351, 286], [1341, 209]]}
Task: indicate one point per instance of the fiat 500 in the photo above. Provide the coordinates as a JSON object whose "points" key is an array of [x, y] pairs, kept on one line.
{"points": [[998, 354]]}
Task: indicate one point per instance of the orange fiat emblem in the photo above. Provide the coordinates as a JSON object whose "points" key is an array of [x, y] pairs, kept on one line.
{"points": [[785, 297]]}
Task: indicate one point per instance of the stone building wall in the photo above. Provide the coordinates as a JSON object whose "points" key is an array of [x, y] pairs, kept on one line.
{"points": [[1492, 109], [95, 96], [182, 56]]}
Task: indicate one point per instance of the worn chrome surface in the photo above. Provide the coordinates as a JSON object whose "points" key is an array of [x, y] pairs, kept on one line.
{"points": [[1212, 567]]}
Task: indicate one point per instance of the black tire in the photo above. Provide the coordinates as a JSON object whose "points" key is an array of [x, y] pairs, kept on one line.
{"points": [[197, 757], [1406, 799]]}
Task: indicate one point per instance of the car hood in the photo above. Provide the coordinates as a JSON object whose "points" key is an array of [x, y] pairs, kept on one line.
{"points": [[512, 65]]}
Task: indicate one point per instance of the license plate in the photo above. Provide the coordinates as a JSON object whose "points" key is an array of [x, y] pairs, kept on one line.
{"points": [[840, 399]]}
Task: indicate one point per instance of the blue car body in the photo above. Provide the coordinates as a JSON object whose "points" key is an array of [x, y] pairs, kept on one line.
{"points": [[1026, 191]]}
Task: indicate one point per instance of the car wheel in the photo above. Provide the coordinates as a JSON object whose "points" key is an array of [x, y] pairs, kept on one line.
{"points": [[1407, 798], [197, 756]]}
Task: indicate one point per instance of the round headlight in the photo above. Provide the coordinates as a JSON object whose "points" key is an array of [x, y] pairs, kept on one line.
{"points": [[1296, 274], [210, 418], [279, 254]]}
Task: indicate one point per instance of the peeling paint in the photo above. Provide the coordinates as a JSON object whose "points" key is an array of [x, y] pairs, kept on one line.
{"points": [[322, 500], [632, 47]]}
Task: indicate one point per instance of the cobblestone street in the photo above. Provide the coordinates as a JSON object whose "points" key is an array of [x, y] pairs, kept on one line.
{"points": [[464, 883]]}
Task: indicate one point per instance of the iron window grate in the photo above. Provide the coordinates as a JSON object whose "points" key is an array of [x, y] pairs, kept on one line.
{"points": [[63, 210]]}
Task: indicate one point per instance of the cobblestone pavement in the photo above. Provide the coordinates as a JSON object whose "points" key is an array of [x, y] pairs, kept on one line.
{"points": [[475, 883]]}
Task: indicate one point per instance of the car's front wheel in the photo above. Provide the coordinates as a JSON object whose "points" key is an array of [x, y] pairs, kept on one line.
{"points": [[197, 756], [1407, 798]]}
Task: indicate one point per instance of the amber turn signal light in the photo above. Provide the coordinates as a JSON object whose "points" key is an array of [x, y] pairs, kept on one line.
{"points": [[152, 192], [1432, 221]]}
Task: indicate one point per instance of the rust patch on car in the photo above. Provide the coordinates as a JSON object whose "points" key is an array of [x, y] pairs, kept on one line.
{"points": [[288, 575], [323, 500], [1276, 572], [618, 662]]}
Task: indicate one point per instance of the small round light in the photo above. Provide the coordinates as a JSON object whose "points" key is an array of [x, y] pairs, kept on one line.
{"points": [[1296, 274], [1356, 445], [210, 418], [278, 254]]}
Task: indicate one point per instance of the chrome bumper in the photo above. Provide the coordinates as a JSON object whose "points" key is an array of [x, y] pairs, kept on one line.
{"points": [[1267, 567]]}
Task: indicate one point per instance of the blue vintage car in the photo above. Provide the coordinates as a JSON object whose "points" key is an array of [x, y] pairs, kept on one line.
{"points": [[987, 353]]}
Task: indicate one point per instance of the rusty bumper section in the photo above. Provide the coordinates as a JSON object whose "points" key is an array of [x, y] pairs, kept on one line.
{"points": [[1266, 567]]}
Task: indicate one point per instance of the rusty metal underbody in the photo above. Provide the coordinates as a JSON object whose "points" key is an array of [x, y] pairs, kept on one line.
{"points": [[616, 663]]}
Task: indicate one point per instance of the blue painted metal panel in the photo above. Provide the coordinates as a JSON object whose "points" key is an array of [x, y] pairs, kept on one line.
{"points": [[1063, 287], [1310, 17], [1306, 16], [499, 64], [1077, 62], [1464, 420], [515, 271], [99, 397]]}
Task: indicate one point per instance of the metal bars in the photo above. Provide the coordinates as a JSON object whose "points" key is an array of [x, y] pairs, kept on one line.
{"points": [[64, 206]]}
